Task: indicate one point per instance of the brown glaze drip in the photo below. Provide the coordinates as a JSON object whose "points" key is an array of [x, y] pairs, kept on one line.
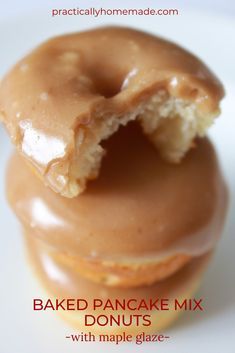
{"points": [[63, 282], [140, 207], [61, 85]]}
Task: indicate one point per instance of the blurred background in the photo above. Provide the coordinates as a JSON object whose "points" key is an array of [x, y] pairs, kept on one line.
{"points": [[205, 27]]}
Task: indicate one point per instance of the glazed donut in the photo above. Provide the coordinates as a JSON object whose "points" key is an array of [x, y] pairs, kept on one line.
{"points": [[61, 282], [139, 222], [61, 101]]}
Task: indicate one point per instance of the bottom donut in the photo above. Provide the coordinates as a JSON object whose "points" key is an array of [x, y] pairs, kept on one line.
{"points": [[100, 309]]}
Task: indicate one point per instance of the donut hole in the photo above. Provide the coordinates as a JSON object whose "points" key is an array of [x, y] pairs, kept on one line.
{"points": [[106, 86], [107, 80]]}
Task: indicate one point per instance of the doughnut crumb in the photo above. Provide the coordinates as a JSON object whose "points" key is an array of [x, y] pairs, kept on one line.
{"points": [[170, 123]]}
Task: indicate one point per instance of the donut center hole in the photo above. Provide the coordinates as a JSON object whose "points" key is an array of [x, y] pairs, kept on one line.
{"points": [[107, 81], [108, 87]]}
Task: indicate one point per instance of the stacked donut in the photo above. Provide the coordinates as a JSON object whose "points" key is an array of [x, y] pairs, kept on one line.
{"points": [[118, 193]]}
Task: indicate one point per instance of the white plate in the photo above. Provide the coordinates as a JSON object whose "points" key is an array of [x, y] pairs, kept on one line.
{"points": [[25, 331]]}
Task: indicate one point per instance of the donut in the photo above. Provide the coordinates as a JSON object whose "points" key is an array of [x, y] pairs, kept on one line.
{"points": [[60, 102], [141, 221], [61, 281]]}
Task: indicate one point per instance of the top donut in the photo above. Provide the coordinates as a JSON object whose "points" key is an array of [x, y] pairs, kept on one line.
{"points": [[60, 101]]}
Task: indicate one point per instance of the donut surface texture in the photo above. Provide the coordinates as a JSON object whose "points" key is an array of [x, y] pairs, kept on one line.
{"points": [[74, 91], [139, 222], [63, 282]]}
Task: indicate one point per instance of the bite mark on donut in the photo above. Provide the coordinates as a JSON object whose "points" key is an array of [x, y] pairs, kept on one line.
{"points": [[80, 88], [170, 123]]}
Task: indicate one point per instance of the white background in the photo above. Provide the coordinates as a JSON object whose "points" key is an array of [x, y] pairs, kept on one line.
{"points": [[17, 8], [208, 30]]}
